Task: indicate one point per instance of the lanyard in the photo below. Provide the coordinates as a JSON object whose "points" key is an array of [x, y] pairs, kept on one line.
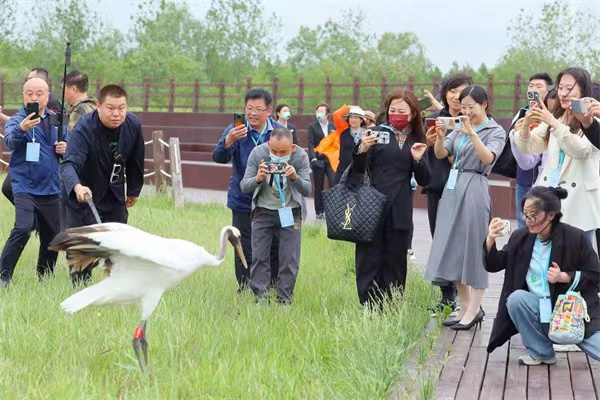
{"points": [[259, 141], [561, 159], [545, 271], [464, 141], [280, 188]]}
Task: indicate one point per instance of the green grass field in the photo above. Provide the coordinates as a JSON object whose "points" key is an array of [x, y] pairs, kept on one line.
{"points": [[205, 340]]}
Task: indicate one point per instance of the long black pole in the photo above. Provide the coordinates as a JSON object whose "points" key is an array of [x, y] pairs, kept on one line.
{"points": [[61, 119]]}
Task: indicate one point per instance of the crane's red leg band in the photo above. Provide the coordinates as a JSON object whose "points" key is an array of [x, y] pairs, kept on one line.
{"points": [[139, 332]]}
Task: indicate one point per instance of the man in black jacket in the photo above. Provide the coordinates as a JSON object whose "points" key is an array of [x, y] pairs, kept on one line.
{"points": [[106, 146], [319, 162]]}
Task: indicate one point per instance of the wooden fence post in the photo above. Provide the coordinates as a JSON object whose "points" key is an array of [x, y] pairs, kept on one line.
{"points": [[176, 178], [146, 94], [222, 96], [301, 95], [490, 92], [275, 89], [159, 161], [437, 86], [356, 91], [329, 94], [384, 90], [410, 85], [517, 95], [248, 83], [171, 94], [98, 87], [1, 90], [196, 96]]}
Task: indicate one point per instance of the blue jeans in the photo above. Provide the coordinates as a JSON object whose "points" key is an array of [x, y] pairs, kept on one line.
{"points": [[520, 192], [524, 310]]}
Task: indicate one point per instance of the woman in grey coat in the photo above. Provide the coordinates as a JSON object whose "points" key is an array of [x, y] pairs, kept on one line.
{"points": [[465, 208]]}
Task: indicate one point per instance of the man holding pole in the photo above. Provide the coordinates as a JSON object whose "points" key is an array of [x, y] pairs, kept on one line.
{"points": [[106, 147]]}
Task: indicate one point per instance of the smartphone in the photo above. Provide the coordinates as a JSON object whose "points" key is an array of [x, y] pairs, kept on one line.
{"points": [[506, 228], [33, 107], [275, 167], [533, 98], [383, 137], [451, 123], [424, 103], [429, 122], [239, 119], [579, 106]]}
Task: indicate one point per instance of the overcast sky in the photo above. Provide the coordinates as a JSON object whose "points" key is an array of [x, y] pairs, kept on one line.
{"points": [[466, 31]]}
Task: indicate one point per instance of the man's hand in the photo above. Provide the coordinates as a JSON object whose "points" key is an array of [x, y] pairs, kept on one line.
{"points": [[290, 173], [83, 193], [130, 201], [28, 123], [555, 275], [236, 133], [262, 172], [60, 148]]}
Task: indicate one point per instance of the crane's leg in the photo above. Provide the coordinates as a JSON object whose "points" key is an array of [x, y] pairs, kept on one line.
{"points": [[144, 344], [138, 339]]}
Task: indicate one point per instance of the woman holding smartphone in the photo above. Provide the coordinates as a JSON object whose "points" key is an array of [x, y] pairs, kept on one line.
{"points": [[571, 160], [465, 207], [382, 264]]}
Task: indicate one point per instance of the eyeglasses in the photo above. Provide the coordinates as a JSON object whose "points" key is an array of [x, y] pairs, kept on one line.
{"points": [[529, 217], [251, 110], [115, 174]]}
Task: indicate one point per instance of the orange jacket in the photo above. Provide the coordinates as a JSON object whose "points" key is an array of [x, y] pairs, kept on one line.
{"points": [[330, 144]]}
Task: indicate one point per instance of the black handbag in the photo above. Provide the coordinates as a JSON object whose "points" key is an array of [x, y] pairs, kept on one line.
{"points": [[353, 213]]}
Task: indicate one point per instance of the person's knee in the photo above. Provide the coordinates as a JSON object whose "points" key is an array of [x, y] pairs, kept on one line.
{"points": [[517, 299]]}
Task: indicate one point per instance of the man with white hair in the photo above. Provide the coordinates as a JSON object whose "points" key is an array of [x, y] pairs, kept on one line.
{"points": [[35, 181]]}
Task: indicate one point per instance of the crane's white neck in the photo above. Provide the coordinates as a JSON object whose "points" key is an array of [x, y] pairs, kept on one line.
{"points": [[222, 245]]}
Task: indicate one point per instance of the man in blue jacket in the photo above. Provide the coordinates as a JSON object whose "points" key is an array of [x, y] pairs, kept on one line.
{"points": [[35, 181], [106, 149], [235, 145]]}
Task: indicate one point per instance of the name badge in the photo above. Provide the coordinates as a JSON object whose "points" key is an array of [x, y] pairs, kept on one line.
{"points": [[33, 152], [286, 217], [451, 184], [545, 310], [554, 177]]}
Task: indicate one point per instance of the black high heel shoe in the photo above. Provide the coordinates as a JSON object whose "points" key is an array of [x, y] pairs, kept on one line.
{"points": [[477, 320], [449, 323]]}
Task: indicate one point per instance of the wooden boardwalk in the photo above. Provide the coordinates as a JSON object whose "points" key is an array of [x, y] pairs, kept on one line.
{"points": [[471, 373]]}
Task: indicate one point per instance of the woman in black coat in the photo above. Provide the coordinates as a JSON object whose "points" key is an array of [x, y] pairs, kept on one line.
{"points": [[381, 264], [540, 262], [350, 138]]}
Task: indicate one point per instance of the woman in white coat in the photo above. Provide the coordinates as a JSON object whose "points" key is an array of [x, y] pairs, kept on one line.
{"points": [[572, 161]]}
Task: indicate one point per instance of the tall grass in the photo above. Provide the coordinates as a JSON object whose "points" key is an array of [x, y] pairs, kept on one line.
{"points": [[205, 340]]}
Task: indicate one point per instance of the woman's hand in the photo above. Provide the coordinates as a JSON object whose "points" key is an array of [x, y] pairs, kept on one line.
{"points": [[466, 126], [594, 108], [588, 118], [440, 129], [435, 104], [494, 232], [366, 143], [417, 150], [542, 114], [555, 275], [431, 136]]}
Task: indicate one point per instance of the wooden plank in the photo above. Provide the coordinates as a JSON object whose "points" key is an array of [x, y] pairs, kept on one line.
{"points": [[516, 375], [537, 382], [482, 336], [176, 179], [595, 370], [495, 374], [560, 381], [453, 370], [583, 386], [470, 386]]}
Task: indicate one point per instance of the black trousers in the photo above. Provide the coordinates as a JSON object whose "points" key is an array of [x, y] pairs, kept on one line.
{"points": [[81, 215], [243, 221], [433, 200], [319, 174], [7, 189], [381, 266], [28, 209]]}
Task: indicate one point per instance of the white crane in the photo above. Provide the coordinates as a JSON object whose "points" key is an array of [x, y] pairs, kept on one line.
{"points": [[140, 267]]}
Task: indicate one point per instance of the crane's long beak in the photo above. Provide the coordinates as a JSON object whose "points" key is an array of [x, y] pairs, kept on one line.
{"points": [[240, 252]]}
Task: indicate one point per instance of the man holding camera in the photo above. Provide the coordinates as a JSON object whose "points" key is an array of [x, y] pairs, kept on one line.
{"points": [[235, 146], [278, 175], [34, 177], [106, 148]]}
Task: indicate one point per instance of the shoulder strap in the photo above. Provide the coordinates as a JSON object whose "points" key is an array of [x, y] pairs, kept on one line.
{"points": [[575, 281]]}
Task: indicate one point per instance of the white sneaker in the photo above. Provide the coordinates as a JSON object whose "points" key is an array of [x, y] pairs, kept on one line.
{"points": [[531, 360], [564, 348]]}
